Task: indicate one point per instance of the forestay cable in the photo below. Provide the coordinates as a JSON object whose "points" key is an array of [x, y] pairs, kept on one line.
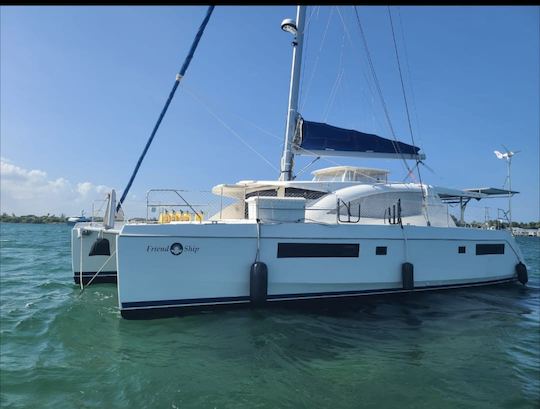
{"points": [[179, 77]]}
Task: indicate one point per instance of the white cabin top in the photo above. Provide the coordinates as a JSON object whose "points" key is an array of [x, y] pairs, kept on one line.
{"points": [[350, 174]]}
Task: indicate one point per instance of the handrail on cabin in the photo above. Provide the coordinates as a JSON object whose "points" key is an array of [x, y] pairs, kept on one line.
{"points": [[349, 216]]}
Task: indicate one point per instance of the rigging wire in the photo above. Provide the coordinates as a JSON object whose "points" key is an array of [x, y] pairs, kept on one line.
{"points": [[179, 77], [306, 167], [333, 94], [346, 30], [418, 161], [253, 124], [401, 76], [378, 87], [303, 97], [405, 96], [337, 83], [204, 101], [232, 131], [306, 48], [411, 88]]}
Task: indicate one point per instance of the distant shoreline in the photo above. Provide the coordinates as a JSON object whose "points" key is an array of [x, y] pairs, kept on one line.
{"points": [[33, 219], [53, 219]]}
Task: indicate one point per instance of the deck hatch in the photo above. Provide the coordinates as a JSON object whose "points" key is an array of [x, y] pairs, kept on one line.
{"points": [[484, 249], [291, 250]]}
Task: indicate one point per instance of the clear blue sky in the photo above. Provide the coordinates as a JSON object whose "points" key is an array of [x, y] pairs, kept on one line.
{"points": [[81, 88]]}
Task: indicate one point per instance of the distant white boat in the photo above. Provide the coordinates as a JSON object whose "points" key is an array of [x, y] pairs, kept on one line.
{"points": [[347, 233], [78, 219]]}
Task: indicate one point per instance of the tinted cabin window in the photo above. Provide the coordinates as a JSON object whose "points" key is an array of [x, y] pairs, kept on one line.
{"points": [[305, 193], [289, 192], [484, 249], [291, 250], [265, 193], [380, 251], [462, 249]]}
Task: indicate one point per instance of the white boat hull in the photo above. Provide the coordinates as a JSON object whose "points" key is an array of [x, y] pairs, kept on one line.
{"points": [[100, 268], [214, 265]]}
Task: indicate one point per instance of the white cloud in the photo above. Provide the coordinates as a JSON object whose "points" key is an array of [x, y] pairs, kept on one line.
{"points": [[84, 188], [31, 191]]}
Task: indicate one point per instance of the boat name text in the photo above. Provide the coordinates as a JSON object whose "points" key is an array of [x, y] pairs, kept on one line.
{"points": [[175, 249]]}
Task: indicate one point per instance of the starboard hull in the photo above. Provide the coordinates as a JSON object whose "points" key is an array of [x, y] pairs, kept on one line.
{"points": [[171, 269]]}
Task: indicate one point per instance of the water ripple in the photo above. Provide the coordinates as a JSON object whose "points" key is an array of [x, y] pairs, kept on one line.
{"points": [[474, 348]]}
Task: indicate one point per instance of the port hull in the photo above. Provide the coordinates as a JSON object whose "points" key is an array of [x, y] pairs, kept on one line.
{"points": [[83, 236]]}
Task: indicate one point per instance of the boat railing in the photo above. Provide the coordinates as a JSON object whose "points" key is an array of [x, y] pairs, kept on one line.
{"points": [[480, 217], [398, 211], [348, 217], [178, 205], [98, 210], [187, 205], [393, 213], [169, 205]]}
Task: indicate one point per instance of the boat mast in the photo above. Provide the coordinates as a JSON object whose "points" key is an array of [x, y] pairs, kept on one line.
{"points": [[298, 30]]}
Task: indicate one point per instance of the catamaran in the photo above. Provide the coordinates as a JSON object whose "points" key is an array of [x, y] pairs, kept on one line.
{"points": [[347, 233]]}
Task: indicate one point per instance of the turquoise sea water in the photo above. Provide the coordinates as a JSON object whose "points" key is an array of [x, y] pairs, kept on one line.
{"points": [[473, 348]]}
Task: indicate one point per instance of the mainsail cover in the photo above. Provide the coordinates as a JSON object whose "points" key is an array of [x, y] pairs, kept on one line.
{"points": [[319, 139]]}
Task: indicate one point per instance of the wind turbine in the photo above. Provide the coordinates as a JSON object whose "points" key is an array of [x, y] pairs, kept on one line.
{"points": [[507, 155]]}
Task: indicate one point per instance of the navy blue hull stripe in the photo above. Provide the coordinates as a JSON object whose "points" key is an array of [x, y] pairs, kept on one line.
{"points": [[97, 280], [384, 290], [278, 297], [173, 303], [102, 278], [92, 273]]}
